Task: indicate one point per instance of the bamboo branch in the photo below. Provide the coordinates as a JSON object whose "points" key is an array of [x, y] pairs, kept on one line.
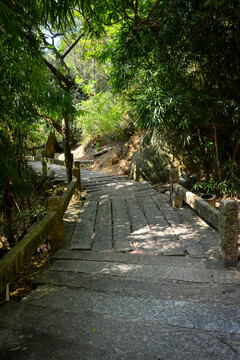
{"points": [[103, 22]]}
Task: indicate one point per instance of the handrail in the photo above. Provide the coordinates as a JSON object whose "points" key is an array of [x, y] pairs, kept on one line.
{"points": [[51, 225], [53, 161], [205, 210], [15, 259], [225, 220]]}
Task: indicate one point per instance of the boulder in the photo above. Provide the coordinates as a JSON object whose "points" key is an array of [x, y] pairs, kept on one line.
{"points": [[151, 161], [188, 181]]}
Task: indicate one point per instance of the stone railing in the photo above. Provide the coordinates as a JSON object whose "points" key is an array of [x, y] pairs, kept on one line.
{"points": [[50, 226], [225, 220], [45, 160]]}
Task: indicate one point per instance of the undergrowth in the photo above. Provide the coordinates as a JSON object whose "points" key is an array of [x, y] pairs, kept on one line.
{"points": [[104, 116]]}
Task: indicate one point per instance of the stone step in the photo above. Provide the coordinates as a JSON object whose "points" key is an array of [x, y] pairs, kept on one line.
{"points": [[199, 238], [129, 258], [103, 228], [97, 336], [152, 288], [83, 234], [140, 271], [186, 314], [122, 238]]}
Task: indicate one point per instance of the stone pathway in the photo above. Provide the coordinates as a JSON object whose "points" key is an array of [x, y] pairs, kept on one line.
{"points": [[137, 279]]}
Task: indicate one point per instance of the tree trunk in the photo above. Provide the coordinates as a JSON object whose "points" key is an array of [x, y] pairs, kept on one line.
{"points": [[8, 205], [67, 151], [217, 153]]}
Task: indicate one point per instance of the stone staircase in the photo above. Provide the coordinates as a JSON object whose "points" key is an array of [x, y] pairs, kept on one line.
{"points": [[137, 279]]}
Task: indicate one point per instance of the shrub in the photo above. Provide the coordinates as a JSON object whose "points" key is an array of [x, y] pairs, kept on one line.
{"points": [[103, 116]]}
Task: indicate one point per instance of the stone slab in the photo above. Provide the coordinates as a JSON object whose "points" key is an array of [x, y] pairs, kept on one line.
{"points": [[185, 314], [142, 235], [199, 238], [130, 258], [148, 271], [49, 333], [103, 231], [121, 226], [83, 234], [153, 288], [167, 241]]}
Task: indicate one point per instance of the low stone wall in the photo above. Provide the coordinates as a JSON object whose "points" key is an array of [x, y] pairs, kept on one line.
{"points": [[225, 220], [205, 211], [13, 262], [51, 225]]}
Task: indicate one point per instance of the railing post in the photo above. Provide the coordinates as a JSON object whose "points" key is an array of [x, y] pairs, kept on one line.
{"points": [[175, 200], [7, 293], [228, 231], [77, 175], [57, 235], [44, 164]]}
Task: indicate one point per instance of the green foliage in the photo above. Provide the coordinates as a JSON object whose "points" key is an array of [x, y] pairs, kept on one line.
{"points": [[182, 76], [229, 186], [225, 187], [35, 211], [97, 146], [103, 116], [13, 169]]}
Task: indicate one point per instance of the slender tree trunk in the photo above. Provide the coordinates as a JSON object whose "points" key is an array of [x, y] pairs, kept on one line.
{"points": [[8, 205], [217, 152], [67, 150]]}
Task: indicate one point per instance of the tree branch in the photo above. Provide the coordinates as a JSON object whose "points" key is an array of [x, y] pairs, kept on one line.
{"points": [[103, 22], [52, 47], [125, 12], [65, 83], [73, 45], [52, 122], [155, 6], [136, 5], [167, 13]]}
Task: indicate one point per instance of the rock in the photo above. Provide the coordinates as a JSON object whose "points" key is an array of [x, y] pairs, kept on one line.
{"points": [[188, 181], [101, 152], [51, 146], [115, 159], [151, 161]]}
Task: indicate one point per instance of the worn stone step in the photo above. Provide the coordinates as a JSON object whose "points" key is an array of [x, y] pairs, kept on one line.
{"points": [[139, 271], [83, 235], [124, 192], [152, 288], [130, 258], [110, 180], [167, 241], [143, 238], [182, 313], [199, 238], [94, 336], [103, 230], [121, 226]]}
